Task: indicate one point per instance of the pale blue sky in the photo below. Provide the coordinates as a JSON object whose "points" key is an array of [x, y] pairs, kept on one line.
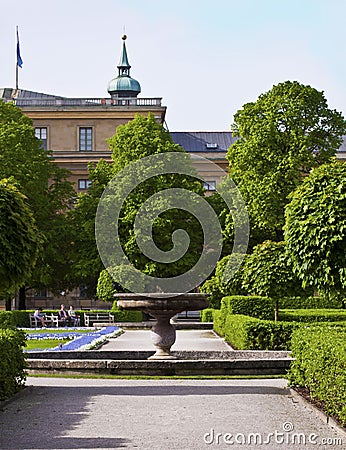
{"points": [[205, 58]]}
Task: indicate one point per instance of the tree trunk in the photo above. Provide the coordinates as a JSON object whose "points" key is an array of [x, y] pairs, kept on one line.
{"points": [[22, 298], [276, 310], [8, 303]]}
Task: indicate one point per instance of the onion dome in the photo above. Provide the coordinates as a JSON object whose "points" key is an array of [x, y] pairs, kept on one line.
{"points": [[123, 85]]}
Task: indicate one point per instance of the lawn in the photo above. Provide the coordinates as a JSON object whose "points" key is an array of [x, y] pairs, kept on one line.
{"points": [[69, 338], [42, 344]]}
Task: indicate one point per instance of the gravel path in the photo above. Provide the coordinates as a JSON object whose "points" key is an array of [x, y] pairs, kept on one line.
{"points": [[57, 413]]}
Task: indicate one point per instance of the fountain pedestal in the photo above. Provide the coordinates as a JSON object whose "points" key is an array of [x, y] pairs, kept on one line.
{"points": [[162, 307]]}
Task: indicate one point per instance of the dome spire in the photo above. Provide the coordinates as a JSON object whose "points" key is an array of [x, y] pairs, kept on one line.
{"points": [[123, 85], [124, 66]]}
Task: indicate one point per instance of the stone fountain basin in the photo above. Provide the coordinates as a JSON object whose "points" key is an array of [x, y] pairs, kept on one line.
{"points": [[162, 302], [162, 306]]}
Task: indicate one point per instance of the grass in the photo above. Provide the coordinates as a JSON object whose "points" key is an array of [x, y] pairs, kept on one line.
{"points": [[43, 344], [57, 330], [160, 377]]}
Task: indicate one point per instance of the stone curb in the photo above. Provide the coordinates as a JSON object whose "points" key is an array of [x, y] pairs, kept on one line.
{"points": [[321, 414], [162, 367]]}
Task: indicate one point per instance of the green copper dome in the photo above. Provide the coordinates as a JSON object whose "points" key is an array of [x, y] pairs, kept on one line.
{"points": [[123, 85]]}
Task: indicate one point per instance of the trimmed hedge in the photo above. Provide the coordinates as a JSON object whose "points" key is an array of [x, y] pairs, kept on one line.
{"points": [[127, 316], [10, 319], [320, 366], [249, 333], [15, 318], [219, 322], [12, 362], [206, 315], [309, 303], [253, 306], [312, 315]]}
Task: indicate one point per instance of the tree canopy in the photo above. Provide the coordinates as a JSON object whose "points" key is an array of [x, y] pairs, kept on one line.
{"points": [[315, 229], [46, 188], [268, 272], [282, 136], [140, 138], [19, 238]]}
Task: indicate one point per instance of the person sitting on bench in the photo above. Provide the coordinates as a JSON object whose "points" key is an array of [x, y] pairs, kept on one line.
{"points": [[63, 316], [74, 316], [39, 316]]}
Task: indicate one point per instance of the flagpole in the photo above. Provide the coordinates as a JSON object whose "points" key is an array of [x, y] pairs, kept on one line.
{"points": [[17, 62]]}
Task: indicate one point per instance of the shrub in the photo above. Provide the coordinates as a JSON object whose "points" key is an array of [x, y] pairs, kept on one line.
{"points": [[309, 303], [125, 316], [249, 333], [253, 306], [207, 315], [12, 363], [226, 281], [320, 366], [212, 287], [219, 322], [9, 319], [313, 315]]}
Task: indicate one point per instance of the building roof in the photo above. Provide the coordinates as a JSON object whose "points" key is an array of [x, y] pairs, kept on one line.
{"points": [[9, 93], [218, 141], [203, 141]]}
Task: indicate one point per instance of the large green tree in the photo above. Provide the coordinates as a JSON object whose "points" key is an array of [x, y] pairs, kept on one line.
{"points": [[140, 138], [282, 136], [19, 239], [268, 272], [47, 191], [315, 229], [86, 264]]}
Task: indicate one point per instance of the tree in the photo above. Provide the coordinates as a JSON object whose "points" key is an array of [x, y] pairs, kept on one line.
{"points": [[86, 264], [144, 137], [221, 285], [268, 272], [19, 238], [315, 229], [282, 136], [47, 191]]}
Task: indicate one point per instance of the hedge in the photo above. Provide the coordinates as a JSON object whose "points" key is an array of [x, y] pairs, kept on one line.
{"points": [[9, 319], [206, 315], [16, 318], [309, 303], [320, 366], [219, 322], [249, 333], [312, 315], [253, 306], [12, 362], [127, 316]]}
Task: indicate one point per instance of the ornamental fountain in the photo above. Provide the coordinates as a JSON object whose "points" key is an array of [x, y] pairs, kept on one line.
{"points": [[162, 307]]}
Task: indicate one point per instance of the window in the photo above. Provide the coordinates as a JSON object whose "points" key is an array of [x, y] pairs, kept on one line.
{"points": [[209, 185], [211, 145], [84, 184], [85, 139], [41, 133]]}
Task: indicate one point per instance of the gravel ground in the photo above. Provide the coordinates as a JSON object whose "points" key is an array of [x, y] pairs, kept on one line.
{"points": [[58, 413]]}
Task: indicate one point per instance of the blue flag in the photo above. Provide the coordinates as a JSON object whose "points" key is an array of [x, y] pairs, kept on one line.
{"points": [[19, 58]]}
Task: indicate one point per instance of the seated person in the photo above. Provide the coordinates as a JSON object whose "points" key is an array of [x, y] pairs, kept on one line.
{"points": [[74, 316], [63, 316], [39, 316]]}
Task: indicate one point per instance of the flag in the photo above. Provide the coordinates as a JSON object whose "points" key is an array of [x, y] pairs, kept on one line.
{"points": [[19, 58]]}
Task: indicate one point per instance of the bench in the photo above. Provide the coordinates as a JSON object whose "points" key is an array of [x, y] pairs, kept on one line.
{"points": [[49, 319], [98, 318]]}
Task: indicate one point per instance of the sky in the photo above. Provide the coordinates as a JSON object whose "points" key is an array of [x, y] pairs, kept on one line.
{"points": [[206, 59]]}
